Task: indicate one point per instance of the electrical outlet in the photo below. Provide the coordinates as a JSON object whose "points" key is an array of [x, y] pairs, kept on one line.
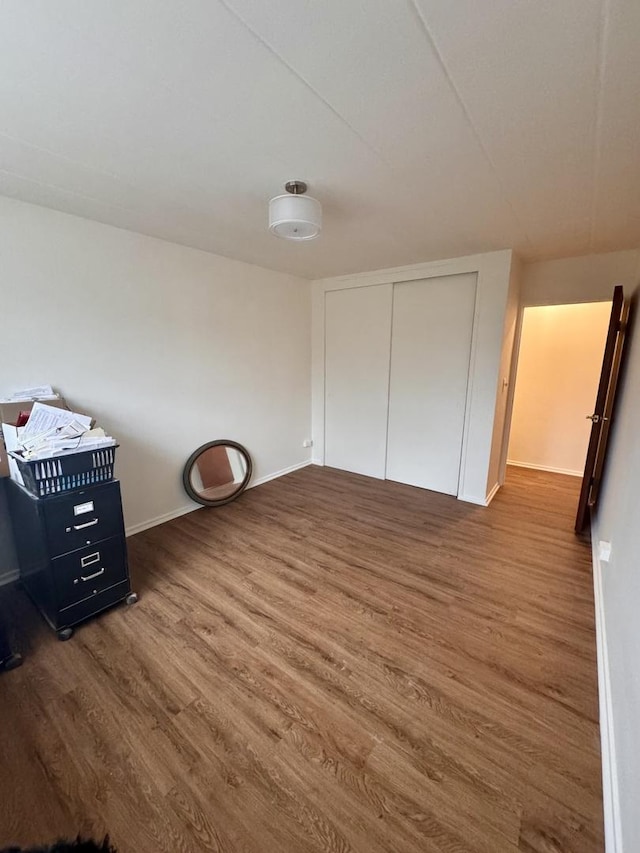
{"points": [[604, 551], [307, 443]]}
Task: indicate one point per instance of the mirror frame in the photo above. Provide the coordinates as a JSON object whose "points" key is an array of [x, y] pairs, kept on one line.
{"points": [[186, 473]]}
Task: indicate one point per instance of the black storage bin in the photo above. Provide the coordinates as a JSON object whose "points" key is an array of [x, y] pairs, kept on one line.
{"points": [[44, 477]]}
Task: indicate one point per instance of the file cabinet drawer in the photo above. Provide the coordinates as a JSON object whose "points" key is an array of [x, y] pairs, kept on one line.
{"points": [[90, 570], [96, 603], [82, 518]]}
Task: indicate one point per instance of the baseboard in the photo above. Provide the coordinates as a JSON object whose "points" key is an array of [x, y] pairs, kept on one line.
{"points": [[160, 519], [183, 510], [473, 499], [493, 493], [610, 793], [548, 468], [9, 577], [280, 473]]}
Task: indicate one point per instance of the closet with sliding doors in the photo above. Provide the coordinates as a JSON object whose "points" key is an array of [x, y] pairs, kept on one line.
{"points": [[396, 378]]}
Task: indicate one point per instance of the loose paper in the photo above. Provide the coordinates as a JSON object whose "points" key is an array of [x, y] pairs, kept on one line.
{"points": [[47, 419], [25, 395]]}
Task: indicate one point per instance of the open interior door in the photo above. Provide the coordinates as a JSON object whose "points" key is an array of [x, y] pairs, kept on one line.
{"points": [[601, 417]]}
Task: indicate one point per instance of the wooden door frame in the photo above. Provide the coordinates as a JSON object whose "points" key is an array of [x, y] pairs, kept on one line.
{"points": [[603, 408]]}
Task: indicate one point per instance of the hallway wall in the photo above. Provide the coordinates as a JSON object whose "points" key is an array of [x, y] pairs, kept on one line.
{"points": [[559, 363]]}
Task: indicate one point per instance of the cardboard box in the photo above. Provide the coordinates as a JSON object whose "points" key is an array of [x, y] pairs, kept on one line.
{"points": [[9, 414]]}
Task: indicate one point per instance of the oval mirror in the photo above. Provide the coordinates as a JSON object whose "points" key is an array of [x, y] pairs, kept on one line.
{"points": [[217, 472]]}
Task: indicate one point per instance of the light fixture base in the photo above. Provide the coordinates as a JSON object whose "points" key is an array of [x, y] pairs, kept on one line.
{"points": [[296, 187]]}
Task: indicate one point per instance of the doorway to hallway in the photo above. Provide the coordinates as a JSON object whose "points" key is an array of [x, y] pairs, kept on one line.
{"points": [[559, 363]]}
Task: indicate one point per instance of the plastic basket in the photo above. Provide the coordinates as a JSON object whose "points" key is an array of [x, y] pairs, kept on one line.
{"points": [[44, 477]]}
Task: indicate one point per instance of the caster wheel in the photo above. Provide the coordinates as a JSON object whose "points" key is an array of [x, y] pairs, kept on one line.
{"points": [[11, 662], [65, 634], [131, 598]]}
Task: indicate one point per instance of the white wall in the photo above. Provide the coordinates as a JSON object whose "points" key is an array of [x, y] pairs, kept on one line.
{"points": [[561, 349], [618, 600], [494, 271], [168, 347], [587, 278]]}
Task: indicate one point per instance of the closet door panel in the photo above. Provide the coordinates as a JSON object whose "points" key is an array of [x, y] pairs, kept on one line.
{"points": [[357, 352], [431, 346]]}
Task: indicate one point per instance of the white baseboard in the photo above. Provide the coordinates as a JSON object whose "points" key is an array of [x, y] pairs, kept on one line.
{"points": [[610, 792], [160, 519], [492, 493], [548, 468], [280, 473], [183, 510], [473, 499]]}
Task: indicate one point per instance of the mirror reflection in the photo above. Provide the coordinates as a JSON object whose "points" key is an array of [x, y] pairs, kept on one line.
{"points": [[217, 472]]}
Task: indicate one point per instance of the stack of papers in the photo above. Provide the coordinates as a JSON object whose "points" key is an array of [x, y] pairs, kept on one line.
{"points": [[57, 432], [27, 395]]}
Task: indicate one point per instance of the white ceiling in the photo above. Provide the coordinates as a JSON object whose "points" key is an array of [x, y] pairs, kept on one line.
{"points": [[427, 128]]}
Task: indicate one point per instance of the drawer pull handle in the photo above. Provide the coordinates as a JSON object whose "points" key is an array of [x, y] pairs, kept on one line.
{"points": [[90, 559], [94, 575], [87, 524]]}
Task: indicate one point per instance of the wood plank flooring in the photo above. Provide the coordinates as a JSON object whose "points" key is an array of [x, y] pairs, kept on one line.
{"points": [[331, 663]]}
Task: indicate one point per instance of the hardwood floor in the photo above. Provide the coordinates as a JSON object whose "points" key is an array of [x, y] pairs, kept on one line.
{"points": [[331, 663]]}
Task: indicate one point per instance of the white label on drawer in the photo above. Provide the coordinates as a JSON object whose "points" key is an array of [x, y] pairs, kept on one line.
{"points": [[79, 509]]}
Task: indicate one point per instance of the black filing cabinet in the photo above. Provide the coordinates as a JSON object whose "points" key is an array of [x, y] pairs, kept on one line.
{"points": [[72, 552]]}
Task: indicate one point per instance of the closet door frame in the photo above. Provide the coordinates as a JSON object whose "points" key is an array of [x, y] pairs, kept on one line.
{"points": [[493, 270]]}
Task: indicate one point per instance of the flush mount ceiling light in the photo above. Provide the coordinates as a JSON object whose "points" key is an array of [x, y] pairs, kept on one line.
{"points": [[295, 216]]}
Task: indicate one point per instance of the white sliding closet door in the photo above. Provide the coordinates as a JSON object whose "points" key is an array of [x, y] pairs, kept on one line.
{"points": [[431, 335], [357, 345]]}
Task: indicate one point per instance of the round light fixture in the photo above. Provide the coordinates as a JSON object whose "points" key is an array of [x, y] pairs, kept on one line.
{"points": [[295, 216]]}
